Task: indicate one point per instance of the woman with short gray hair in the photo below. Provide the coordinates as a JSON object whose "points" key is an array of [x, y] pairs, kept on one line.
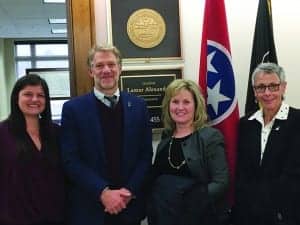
{"points": [[268, 157]]}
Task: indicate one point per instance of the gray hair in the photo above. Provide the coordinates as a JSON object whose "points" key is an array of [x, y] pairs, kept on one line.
{"points": [[268, 68]]}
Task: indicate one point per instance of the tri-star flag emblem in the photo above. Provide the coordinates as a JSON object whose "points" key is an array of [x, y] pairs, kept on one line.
{"points": [[221, 96]]}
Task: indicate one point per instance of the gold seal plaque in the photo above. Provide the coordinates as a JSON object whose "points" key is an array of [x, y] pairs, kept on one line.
{"points": [[146, 28]]}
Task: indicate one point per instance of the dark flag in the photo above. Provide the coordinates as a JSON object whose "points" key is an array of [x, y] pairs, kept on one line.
{"points": [[263, 49], [216, 79]]}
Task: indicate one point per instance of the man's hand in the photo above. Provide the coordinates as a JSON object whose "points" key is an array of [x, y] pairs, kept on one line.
{"points": [[115, 201], [125, 196]]}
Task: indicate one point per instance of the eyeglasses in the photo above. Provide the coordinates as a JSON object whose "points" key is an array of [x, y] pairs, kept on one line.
{"points": [[271, 87]]}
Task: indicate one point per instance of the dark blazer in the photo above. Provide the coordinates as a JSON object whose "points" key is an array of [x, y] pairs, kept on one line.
{"points": [[268, 190], [205, 157], [85, 160]]}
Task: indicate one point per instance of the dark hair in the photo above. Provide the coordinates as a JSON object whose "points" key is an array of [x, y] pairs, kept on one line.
{"points": [[16, 120], [16, 114]]}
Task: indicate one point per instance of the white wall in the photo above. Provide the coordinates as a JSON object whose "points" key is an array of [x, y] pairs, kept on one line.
{"points": [[241, 17], [286, 22]]}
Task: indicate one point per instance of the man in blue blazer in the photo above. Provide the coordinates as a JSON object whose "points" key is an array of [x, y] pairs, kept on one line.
{"points": [[106, 146]]}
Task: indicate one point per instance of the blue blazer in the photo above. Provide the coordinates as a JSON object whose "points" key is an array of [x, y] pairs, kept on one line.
{"points": [[85, 162]]}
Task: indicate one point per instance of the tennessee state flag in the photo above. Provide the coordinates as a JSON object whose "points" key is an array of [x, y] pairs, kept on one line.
{"points": [[216, 79]]}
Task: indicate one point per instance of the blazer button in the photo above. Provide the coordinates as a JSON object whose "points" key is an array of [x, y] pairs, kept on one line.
{"points": [[279, 216]]}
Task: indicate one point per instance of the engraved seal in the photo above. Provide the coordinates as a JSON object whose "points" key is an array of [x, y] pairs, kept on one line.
{"points": [[146, 28]]}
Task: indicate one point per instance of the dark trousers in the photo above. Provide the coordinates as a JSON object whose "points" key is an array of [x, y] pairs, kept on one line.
{"points": [[49, 223], [117, 220]]}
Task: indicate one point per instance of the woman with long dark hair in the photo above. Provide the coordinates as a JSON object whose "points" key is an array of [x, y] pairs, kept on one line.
{"points": [[31, 178]]}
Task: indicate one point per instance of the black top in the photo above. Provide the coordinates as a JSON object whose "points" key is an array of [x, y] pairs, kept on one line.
{"points": [[162, 164]]}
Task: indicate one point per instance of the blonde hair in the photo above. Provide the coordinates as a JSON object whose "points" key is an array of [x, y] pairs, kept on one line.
{"points": [[103, 48], [172, 90]]}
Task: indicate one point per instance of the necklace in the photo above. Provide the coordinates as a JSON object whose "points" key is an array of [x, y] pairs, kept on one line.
{"points": [[169, 158]]}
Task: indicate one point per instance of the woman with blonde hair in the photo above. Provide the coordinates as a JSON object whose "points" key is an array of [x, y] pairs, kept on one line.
{"points": [[190, 173]]}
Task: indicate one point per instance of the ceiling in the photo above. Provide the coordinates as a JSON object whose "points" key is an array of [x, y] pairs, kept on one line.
{"points": [[30, 19]]}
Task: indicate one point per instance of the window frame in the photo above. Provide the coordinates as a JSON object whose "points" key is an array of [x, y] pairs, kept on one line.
{"points": [[33, 58]]}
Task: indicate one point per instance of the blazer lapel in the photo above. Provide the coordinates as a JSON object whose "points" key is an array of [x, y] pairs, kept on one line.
{"points": [[93, 114], [127, 110], [162, 144], [128, 115], [253, 128], [273, 145]]}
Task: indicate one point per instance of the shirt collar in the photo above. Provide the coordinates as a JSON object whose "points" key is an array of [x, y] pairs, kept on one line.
{"points": [[282, 114], [100, 95]]}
